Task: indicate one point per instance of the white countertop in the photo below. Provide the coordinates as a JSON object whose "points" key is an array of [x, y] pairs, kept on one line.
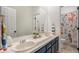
{"points": [[40, 42]]}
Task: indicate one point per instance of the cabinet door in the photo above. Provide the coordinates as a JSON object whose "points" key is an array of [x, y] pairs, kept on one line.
{"points": [[57, 43], [10, 19], [54, 48], [0, 32], [49, 50]]}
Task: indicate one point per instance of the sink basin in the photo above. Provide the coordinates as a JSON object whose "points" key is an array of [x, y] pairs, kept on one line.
{"points": [[24, 46]]}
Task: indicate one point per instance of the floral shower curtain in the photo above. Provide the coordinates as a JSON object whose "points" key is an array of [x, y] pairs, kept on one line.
{"points": [[69, 26]]}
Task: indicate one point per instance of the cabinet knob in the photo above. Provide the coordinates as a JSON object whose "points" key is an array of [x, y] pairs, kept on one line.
{"points": [[15, 31], [77, 28]]}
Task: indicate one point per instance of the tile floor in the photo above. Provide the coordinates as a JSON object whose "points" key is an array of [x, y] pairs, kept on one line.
{"points": [[69, 47]]}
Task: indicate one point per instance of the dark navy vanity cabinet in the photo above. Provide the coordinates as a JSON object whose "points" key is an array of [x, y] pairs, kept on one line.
{"points": [[50, 47]]}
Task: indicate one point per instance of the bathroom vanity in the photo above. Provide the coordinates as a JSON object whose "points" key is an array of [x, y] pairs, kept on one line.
{"points": [[50, 47], [49, 44]]}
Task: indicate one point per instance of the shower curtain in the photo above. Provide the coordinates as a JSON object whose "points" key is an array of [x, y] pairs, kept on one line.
{"points": [[69, 26]]}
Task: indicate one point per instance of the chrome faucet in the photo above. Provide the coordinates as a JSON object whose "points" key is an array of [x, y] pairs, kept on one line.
{"points": [[22, 41]]}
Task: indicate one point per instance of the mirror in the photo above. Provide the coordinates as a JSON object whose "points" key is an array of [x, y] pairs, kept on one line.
{"points": [[40, 15]]}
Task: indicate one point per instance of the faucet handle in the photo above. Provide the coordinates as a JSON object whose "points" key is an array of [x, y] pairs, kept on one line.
{"points": [[20, 41], [23, 40]]}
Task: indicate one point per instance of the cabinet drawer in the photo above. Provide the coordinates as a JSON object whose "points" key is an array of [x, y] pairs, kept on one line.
{"points": [[57, 38], [41, 50], [48, 45], [53, 42]]}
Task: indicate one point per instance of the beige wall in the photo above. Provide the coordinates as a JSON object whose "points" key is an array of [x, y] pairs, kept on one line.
{"points": [[23, 20]]}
